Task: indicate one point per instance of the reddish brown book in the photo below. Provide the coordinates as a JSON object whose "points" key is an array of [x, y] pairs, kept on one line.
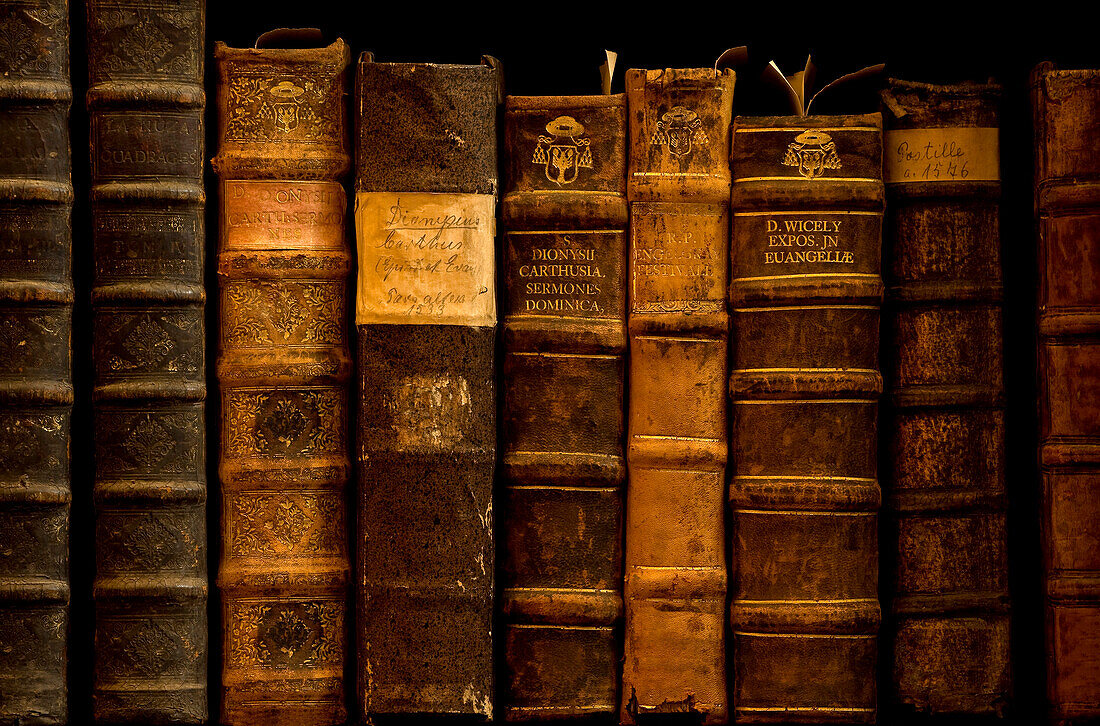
{"points": [[1067, 199], [943, 471], [283, 368], [675, 587], [805, 292], [564, 465]]}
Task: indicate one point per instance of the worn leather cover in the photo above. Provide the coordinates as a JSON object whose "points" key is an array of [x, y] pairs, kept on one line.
{"points": [[675, 588], [1066, 105], [283, 367], [145, 108], [427, 403], [805, 290], [36, 392], [944, 554], [564, 462]]}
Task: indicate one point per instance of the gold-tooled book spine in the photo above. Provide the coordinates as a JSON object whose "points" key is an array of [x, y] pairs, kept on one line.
{"points": [[945, 550], [805, 291], [283, 367], [1066, 108], [564, 463], [145, 107], [675, 585], [36, 391]]}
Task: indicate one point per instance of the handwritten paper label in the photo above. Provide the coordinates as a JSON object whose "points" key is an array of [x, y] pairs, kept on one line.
{"points": [[952, 154], [425, 259]]}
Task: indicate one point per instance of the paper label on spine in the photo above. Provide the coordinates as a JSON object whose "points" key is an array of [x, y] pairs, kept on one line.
{"points": [[951, 154], [426, 259]]}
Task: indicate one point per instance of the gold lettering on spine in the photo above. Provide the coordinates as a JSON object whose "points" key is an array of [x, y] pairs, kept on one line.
{"points": [[425, 258], [266, 214]]}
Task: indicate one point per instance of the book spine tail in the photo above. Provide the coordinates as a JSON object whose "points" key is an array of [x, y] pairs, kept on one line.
{"points": [[36, 392]]}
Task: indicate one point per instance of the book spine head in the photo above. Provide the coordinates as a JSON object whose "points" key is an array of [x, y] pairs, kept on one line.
{"points": [[675, 584], [807, 201], [145, 106], [1067, 189], [283, 366], [36, 393], [426, 185], [564, 466]]}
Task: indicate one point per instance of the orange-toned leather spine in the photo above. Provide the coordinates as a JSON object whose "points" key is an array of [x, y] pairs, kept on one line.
{"points": [[805, 293], [283, 367], [1066, 106], [675, 588]]}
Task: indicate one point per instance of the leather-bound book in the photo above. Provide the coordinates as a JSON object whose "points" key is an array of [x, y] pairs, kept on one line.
{"points": [[564, 466], [145, 108], [425, 221], [284, 368], [1066, 106], [805, 293], [36, 392], [942, 467], [675, 585]]}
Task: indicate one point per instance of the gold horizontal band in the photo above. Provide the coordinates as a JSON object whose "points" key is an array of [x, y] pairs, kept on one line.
{"points": [[792, 129], [818, 212], [804, 512], [568, 231], [858, 180], [603, 356], [805, 307]]}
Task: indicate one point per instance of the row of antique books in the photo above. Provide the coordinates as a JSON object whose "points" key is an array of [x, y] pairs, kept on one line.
{"points": [[678, 510]]}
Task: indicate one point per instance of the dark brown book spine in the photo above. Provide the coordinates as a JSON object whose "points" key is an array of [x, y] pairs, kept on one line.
{"points": [[283, 367], [36, 392], [564, 465], [145, 107], [945, 555], [675, 587], [426, 188], [805, 289], [1066, 106]]}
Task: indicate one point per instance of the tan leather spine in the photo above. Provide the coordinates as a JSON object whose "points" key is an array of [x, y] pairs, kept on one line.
{"points": [[675, 588], [283, 367]]}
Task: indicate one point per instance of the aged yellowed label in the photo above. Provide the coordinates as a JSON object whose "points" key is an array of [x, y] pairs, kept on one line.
{"points": [[955, 153], [425, 258]]}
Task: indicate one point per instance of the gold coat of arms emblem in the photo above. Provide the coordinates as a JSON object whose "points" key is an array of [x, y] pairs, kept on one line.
{"points": [[681, 130], [812, 152], [565, 151], [285, 107]]}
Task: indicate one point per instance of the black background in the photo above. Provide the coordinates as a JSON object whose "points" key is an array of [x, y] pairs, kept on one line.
{"points": [[555, 48]]}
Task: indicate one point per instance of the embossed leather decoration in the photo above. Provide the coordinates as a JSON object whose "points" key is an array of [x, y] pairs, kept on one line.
{"points": [[675, 588], [805, 290], [565, 215], [145, 105], [426, 182], [283, 367], [36, 392], [943, 469], [1066, 105]]}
